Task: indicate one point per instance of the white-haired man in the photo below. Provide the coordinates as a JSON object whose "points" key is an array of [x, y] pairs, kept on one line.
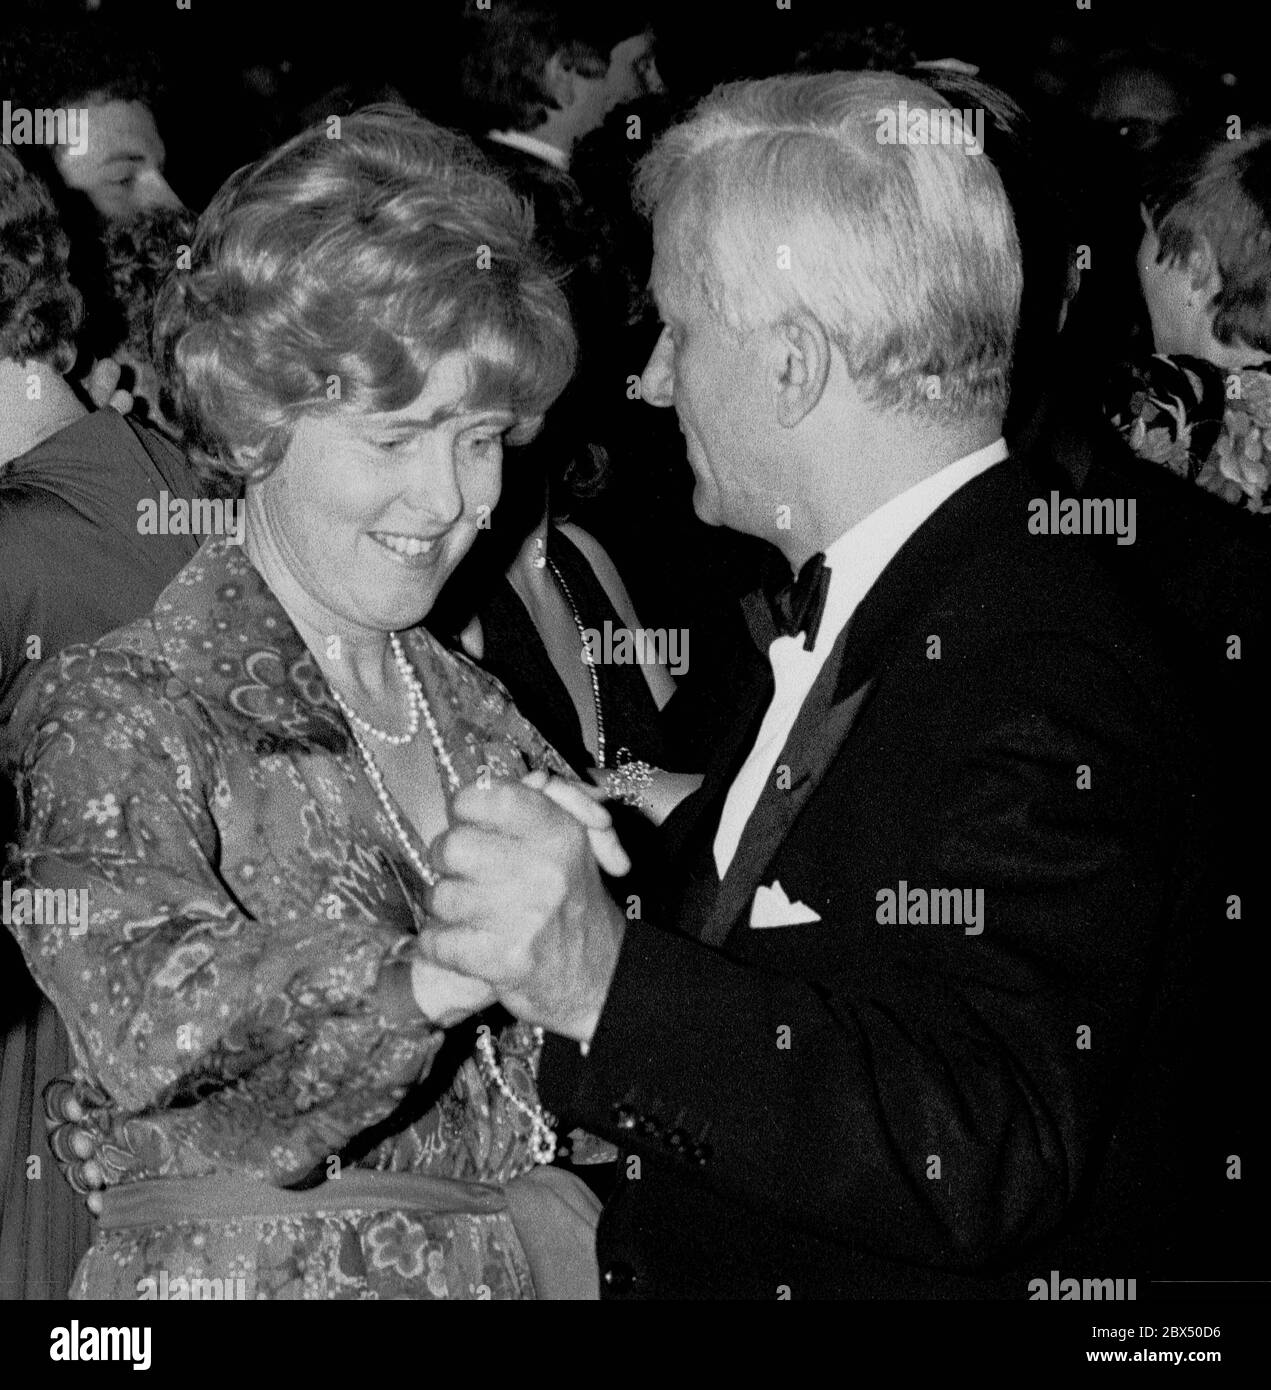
{"points": [[876, 1041]]}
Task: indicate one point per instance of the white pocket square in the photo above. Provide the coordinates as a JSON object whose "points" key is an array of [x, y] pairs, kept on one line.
{"points": [[772, 908]]}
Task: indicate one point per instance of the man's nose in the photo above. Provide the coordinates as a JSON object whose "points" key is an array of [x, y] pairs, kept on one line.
{"points": [[157, 193], [658, 379]]}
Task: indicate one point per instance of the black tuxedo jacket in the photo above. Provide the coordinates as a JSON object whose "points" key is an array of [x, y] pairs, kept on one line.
{"points": [[861, 1108]]}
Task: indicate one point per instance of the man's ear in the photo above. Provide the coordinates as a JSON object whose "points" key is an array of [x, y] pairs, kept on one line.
{"points": [[559, 81], [802, 351]]}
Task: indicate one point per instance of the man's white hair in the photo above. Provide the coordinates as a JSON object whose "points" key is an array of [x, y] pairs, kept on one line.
{"points": [[778, 194]]}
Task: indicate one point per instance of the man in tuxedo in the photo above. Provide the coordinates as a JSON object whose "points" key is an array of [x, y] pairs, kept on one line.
{"points": [[886, 1035]]}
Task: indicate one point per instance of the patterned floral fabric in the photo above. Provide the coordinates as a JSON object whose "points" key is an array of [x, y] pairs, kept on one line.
{"points": [[1207, 424], [238, 997]]}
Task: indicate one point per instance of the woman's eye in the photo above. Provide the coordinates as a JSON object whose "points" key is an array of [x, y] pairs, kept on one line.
{"points": [[393, 443]]}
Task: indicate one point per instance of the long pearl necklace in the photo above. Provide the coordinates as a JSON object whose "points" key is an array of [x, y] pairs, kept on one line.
{"points": [[588, 660], [542, 1137]]}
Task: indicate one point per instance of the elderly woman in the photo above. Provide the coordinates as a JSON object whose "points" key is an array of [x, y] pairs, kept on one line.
{"points": [[240, 790]]}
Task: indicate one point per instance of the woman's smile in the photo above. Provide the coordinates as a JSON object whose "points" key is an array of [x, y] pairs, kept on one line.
{"points": [[412, 551]]}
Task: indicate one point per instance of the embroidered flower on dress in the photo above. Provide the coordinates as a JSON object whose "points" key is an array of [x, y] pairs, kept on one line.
{"points": [[100, 810], [399, 1243]]}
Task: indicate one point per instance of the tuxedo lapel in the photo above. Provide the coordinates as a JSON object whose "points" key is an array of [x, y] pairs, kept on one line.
{"points": [[989, 512], [690, 830], [819, 732]]}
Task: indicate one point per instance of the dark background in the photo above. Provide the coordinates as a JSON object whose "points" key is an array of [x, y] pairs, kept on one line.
{"points": [[242, 75]]}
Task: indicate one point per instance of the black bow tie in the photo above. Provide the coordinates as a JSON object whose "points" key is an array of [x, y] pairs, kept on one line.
{"points": [[798, 606]]}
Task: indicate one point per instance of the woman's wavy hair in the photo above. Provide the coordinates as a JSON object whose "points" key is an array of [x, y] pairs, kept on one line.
{"points": [[331, 274], [40, 310], [1201, 187]]}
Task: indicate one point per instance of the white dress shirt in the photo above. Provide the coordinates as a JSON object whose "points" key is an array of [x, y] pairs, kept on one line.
{"points": [[519, 140], [855, 562]]}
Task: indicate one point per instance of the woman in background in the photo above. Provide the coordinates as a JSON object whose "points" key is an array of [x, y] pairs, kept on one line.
{"points": [[1201, 406]]}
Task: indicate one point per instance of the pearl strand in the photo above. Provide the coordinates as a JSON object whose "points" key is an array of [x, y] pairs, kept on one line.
{"points": [[542, 1137], [414, 698]]}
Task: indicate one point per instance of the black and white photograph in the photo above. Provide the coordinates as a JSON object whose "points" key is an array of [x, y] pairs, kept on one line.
{"points": [[633, 651]]}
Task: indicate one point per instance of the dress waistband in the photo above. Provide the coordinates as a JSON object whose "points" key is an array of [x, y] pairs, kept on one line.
{"points": [[225, 1197]]}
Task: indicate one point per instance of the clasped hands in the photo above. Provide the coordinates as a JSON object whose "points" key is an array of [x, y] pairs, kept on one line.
{"points": [[520, 911]]}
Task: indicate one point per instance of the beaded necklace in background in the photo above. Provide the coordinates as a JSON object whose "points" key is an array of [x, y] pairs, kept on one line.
{"points": [[588, 659]]}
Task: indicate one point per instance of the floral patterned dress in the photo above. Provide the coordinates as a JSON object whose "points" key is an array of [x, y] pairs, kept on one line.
{"points": [[237, 992], [1208, 425]]}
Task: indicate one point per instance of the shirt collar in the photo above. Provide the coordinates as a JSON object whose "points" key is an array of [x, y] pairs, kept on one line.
{"points": [[529, 144], [861, 554]]}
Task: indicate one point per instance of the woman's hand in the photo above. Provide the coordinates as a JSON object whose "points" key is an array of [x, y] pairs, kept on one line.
{"points": [[661, 796]]}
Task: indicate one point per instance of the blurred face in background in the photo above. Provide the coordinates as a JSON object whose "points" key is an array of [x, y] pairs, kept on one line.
{"points": [[120, 169], [1132, 106], [632, 73]]}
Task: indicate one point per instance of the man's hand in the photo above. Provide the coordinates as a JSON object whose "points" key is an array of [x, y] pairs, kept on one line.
{"points": [[584, 803], [521, 904], [444, 997]]}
